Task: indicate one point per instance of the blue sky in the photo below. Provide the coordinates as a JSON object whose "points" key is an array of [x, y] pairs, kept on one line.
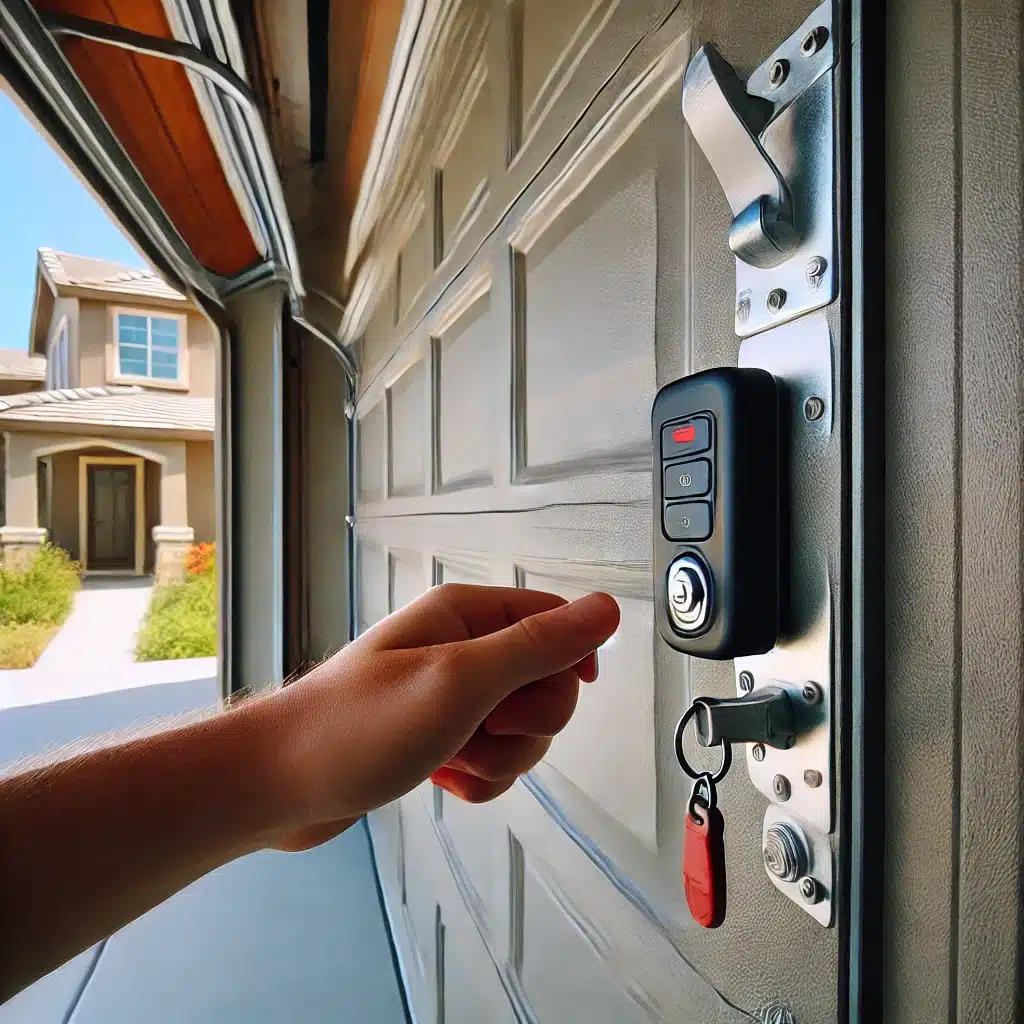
{"points": [[42, 203]]}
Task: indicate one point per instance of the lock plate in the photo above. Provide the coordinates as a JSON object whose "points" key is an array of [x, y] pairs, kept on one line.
{"points": [[798, 141], [800, 355]]}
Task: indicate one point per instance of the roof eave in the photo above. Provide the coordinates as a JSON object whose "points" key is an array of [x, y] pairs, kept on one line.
{"points": [[100, 431]]}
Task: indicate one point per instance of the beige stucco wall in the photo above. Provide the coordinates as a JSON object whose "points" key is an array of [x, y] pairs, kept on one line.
{"points": [[64, 503], [24, 449], [95, 331], [93, 327], [202, 494]]}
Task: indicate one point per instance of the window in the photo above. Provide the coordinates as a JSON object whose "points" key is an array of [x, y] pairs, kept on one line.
{"points": [[57, 360], [148, 346]]}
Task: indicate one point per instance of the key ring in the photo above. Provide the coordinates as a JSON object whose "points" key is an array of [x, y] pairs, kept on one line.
{"points": [[696, 798], [681, 757]]}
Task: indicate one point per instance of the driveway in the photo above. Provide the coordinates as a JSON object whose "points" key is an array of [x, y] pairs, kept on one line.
{"points": [[95, 650], [271, 937]]}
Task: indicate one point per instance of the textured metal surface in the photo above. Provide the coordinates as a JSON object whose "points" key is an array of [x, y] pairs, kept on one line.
{"points": [[817, 862]]}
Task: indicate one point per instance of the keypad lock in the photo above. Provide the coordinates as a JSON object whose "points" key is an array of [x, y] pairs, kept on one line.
{"points": [[717, 472]]}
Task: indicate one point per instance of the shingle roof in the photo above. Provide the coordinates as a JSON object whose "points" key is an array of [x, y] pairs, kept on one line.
{"points": [[17, 364], [104, 275], [130, 407]]}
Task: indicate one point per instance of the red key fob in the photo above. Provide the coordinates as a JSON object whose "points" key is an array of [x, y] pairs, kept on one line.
{"points": [[704, 863]]}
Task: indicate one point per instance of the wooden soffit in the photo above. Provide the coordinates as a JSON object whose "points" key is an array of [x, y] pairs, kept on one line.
{"points": [[151, 108]]}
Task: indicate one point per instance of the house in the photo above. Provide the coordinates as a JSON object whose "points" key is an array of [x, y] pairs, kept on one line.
{"points": [[108, 421]]}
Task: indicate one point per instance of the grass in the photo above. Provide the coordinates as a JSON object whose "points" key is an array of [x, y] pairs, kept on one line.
{"points": [[182, 617], [34, 603]]}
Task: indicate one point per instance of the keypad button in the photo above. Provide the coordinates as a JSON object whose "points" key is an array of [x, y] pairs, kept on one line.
{"points": [[688, 520], [687, 479], [686, 437]]}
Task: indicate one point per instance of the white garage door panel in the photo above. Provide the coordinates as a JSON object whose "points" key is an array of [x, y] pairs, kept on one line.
{"points": [[565, 956], [528, 379], [618, 774], [464, 363], [588, 287]]}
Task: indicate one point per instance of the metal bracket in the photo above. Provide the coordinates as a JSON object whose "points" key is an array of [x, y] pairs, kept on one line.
{"points": [[771, 146], [800, 355]]}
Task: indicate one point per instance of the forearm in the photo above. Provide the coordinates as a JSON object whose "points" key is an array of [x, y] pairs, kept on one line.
{"points": [[88, 845]]}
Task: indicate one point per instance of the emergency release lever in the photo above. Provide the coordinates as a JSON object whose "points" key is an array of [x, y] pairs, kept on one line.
{"points": [[726, 121]]}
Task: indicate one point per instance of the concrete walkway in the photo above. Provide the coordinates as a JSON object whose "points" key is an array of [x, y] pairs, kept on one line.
{"points": [[95, 650]]}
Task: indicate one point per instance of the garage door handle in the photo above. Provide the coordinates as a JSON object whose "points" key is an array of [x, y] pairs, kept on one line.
{"points": [[726, 121]]}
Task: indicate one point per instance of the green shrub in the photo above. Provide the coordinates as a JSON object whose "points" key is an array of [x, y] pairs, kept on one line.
{"points": [[41, 594], [21, 644], [181, 621]]}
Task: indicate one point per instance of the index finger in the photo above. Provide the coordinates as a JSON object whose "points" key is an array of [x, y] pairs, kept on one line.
{"points": [[540, 645]]}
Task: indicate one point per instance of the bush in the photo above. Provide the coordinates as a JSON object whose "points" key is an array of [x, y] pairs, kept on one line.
{"points": [[41, 594], [33, 604], [21, 645], [182, 617]]}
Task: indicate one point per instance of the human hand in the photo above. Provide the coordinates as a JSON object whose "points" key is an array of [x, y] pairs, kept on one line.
{"points": [[466, 685]]}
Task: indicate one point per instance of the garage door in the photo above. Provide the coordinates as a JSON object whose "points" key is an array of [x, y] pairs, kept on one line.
{"points": [[560, 254]]}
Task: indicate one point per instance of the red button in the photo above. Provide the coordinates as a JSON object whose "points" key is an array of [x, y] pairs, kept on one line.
{"points": [[684, 434]]}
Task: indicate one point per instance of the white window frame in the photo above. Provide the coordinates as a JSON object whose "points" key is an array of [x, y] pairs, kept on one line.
{"points": [[114, 374]]}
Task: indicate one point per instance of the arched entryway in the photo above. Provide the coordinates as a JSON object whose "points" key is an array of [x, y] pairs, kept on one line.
{"points": [[101, 502]]}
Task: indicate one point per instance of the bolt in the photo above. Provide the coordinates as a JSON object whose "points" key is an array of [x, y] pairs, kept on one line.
{"points": [[782, 788], [814, 408], [814, 41], [746, 681], [812, 778], [811, 693], [777, 73], [758, 751], [776, 299], [810, 891], [816, 267]]}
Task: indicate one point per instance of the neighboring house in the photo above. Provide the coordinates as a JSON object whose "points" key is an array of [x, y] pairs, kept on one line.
{"points": [[113, 458]]}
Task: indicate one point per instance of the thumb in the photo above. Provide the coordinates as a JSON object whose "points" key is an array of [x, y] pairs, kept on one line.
{"points": [[541, 645]]}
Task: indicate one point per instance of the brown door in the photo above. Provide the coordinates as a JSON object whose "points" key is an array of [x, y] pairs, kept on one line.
{"points": [[111, 517]]}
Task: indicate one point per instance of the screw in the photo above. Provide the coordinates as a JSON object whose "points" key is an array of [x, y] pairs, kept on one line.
{"points": [[777, 73], [811, 693], [782, 788], [758, 751], [776, 299], [746, 681], [814, 41], [816, 267], [814, 408], [812, 778], [810, 891]]}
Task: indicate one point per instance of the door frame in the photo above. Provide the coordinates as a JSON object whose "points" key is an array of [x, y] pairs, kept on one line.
{"points": [[84, 462]]}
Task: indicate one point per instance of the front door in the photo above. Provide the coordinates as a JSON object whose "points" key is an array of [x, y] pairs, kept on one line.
{"points": [[111, 513]]}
